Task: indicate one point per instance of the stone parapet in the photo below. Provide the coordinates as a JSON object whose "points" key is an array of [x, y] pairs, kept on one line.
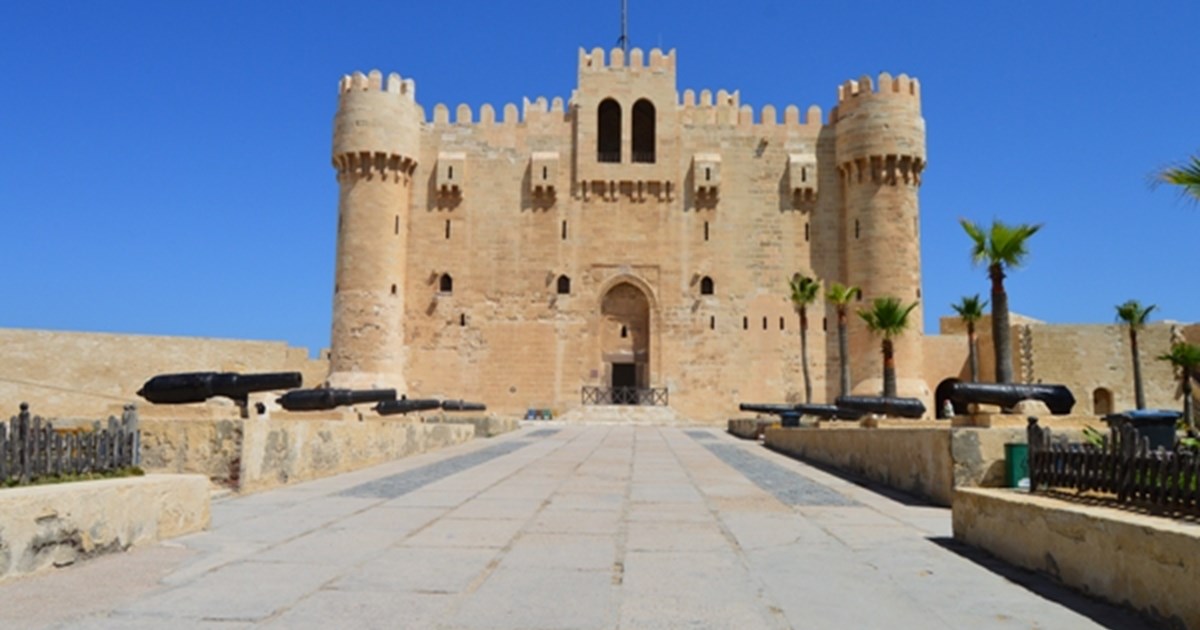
{"points": [[1150, 563], [933, 462], [60, 524], [259, 454], [485, 426]]}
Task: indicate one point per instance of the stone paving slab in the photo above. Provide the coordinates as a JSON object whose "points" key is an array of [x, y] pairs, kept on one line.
{"points": [[606, 526]]}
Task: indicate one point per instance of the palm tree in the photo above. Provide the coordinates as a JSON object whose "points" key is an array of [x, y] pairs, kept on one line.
{"points": [[1000, 247], [887, 318], [970, 310], [1186, 358], [840, 295], [1134, 315], [1186, 176], [804, 292]]}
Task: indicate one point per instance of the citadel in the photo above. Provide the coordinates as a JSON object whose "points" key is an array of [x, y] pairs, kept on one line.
{"points": [[630, 237], [633, 238]]}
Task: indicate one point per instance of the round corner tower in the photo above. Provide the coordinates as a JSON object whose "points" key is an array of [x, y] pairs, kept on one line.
{"points": [[376, 141], [880, 149]]}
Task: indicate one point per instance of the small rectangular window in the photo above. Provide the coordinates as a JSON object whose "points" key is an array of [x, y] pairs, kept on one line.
{"points": [[712, 322], [706, 230], [447, 228], [805, 232], [564, 230]]}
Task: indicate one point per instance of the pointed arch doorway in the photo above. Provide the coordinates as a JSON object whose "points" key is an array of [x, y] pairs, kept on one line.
{"points": [[625, 340]]}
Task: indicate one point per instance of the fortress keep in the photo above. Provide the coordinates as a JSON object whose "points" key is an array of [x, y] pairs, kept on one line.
{"points": [[631, 236]]}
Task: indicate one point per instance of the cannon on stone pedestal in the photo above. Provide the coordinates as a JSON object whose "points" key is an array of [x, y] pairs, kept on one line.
{"points": [[1058, 398], [883, 405], [325, 399], [786, 411], [406, 405], [194, 387], [462, 405]]}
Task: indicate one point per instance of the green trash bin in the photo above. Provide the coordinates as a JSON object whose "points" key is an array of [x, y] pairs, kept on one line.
{"points": [[1016, 464]]}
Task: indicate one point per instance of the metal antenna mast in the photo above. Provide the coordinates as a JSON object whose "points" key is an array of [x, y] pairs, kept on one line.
{"points": [[623, 42]]}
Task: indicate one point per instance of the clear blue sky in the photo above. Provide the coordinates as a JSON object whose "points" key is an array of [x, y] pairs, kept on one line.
{"points": [[165, 165]]}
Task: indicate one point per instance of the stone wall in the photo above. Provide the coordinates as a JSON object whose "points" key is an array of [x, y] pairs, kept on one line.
{"points": [[485, 426], [91, 374], [917, 460], [928, 461], [262, 453], [1150, 563], [59, 524]]}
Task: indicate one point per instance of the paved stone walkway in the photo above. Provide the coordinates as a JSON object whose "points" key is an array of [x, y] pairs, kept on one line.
{"points": [[562, 527]]}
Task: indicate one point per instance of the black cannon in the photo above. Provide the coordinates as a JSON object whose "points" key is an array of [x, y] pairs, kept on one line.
{"points": [[883, 405], [1058, 398], [825, 412], [194, 387], [324, 399], [788, 415], [462, 405], [405, 405]]}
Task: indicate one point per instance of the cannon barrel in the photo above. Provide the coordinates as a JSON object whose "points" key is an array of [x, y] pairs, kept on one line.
{"points": [[193, 387], [1058, 398], [406, 405], [462, 405], [829, 411], [883, 405], [804, 409], [770, 408], [323, 399]]}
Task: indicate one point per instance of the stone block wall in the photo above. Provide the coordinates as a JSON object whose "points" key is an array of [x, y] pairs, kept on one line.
{"points": [[81, 374], [59, 524]]}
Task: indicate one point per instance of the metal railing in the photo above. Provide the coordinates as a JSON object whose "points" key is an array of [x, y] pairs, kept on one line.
{"points": [[32, 449], [1120, 464], [649, 396]]}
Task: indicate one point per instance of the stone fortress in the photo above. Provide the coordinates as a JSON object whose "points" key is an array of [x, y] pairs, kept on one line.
{"points": [[631, 236]]}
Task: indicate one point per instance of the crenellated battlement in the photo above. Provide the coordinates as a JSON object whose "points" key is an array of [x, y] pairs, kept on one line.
{"points": [[886, 86], [374, 82], [531, 110], [594, 61], [726, 109]]}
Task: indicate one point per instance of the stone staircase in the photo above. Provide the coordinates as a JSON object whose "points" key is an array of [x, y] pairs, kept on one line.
{"points": [[642, 415]]}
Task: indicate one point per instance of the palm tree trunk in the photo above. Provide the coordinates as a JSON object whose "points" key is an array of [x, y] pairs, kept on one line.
{"points": [[974, 357], [844, 351], [804, 354], [1001, 333], [1138, 392], [889, 369], [1187, 400]]}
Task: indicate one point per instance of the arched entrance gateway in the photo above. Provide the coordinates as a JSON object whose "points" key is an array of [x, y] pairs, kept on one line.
{"points": [[625, 341]]}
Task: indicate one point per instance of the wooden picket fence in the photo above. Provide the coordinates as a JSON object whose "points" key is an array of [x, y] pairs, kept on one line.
{"points": [[1122, 465], [31, 448]]}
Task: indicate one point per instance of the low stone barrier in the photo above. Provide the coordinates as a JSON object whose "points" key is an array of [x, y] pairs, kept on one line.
{"points": [[485, 426], [1147, 562], [930, 460], [750, 428], [56, 525], [261, 453]]}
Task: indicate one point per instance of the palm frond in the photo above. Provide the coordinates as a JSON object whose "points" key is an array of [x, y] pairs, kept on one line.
{"points": [[840, 294], [887, 317], [804, 290], [1182, 355], [970, 308], [1133, 314], [1186, 176]]}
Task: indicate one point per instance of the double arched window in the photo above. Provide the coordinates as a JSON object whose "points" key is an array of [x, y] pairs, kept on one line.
{"points": [[608, 132]]}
